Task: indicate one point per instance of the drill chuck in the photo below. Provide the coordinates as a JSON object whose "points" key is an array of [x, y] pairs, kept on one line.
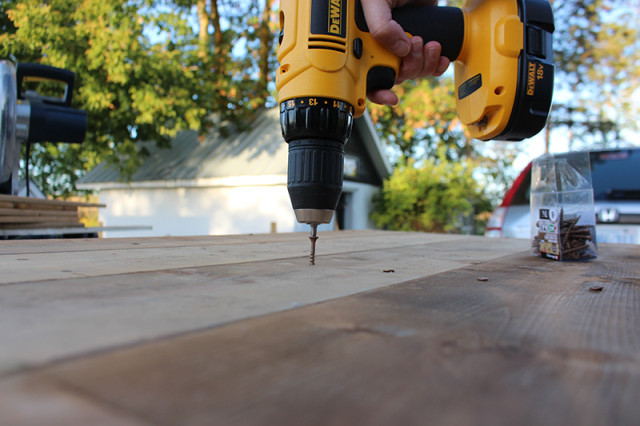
{"points": [[316, 130]]}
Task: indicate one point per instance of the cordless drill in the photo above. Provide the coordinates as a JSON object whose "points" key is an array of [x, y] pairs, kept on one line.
{"points": [[504, 71]]}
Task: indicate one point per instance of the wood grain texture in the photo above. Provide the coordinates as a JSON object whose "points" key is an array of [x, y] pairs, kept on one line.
{"points": [[22, 213], [48, 260], [32, 213], [27, 202], [34, 402], [133, 294], [507, 340], [6, 221]]}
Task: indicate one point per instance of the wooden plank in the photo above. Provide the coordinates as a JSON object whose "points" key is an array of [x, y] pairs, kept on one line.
{"points": [[26, 202], [29, 246], [531, 344], [43, 225], [27, 402], [22, 213], [20, 206], [31, 213], [128, 258], [72, 311], [55, 246], [37, 219], [78, 231]]}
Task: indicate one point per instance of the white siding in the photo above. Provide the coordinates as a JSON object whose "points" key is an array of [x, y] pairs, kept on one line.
{"points": [[193, 210], [362, 205], [197, 211]]}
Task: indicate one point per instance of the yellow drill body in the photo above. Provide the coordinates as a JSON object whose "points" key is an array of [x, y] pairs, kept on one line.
{"points": [[324, 65], [503, 56], [330, 57]]}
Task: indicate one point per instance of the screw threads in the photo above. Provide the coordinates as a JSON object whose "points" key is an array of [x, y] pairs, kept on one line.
{"points": [[313, 237]]}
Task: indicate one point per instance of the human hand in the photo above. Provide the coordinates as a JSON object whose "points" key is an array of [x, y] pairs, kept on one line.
{"points": [[418, 59]]}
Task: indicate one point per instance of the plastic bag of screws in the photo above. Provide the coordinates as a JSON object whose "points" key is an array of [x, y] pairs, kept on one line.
{"points": [[562, 214]]}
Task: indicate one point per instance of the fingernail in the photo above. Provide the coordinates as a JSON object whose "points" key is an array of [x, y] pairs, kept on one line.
{"points": [[402, 48], [443, 65], [432, 47]]}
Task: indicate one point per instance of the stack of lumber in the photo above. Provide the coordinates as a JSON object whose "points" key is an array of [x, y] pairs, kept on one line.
{"points": [[32, 213]]}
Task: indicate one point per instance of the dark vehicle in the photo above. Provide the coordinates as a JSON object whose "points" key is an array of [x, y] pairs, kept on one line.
{"points": [[616, 193]]}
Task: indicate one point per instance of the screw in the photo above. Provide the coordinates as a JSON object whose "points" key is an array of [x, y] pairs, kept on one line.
{"points": [[313, 237]]}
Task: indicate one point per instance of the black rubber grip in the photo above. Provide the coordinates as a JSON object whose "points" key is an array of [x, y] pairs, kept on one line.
{"points": [[433, 23], [315, 173], [54, 123]]}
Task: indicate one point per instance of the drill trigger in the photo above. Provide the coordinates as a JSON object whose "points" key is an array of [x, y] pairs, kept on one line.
{"points": [[380, 77]]}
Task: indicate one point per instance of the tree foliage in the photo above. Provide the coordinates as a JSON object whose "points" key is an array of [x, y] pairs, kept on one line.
{"points": [[433, 196], [143, 73], [597, 46]]}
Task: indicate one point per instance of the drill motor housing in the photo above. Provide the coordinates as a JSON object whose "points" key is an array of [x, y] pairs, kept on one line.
{"points": [[503, 60]]}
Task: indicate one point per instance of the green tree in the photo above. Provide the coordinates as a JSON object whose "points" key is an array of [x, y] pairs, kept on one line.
{"points": [[235, 42], [597, 53], [143, 72], [6, 26], [131, 89], [434, 196]]}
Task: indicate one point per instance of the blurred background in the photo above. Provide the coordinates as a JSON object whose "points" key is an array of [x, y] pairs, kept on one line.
{"points": [[182, 134]]}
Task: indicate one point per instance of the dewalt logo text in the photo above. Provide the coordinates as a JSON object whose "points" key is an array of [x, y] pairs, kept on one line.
{"points": [[535, 72], [329, 17], [335, 17], [531, 80]]}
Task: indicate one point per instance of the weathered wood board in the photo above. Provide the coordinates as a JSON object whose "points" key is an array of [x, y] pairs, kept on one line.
{"points": [[28, 213], [466, 330]]}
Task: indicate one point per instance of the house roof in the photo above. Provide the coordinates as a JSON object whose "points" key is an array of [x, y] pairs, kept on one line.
{"points": [[257, 151]]}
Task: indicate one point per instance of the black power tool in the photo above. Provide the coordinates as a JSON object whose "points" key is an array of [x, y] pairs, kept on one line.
{"points": [[27, 117]]}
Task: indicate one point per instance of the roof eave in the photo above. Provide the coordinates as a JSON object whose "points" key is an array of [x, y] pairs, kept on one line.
{"points": [[374, 145], [229, 181]]}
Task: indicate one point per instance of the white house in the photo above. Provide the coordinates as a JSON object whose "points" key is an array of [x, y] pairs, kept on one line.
{"points": [[231, 185]]}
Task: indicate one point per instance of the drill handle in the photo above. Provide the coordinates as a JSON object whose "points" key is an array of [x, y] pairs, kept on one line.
{"points": [[26, 71], [434, 23], [446, 25]]}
